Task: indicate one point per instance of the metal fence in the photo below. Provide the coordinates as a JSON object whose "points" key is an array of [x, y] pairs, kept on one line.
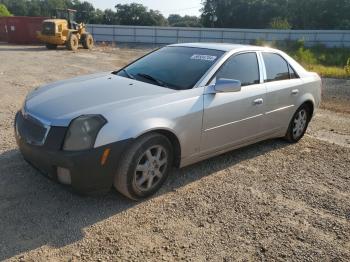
{"points": [[169, 35]]}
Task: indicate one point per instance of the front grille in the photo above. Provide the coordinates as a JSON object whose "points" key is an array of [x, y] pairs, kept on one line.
{"points": [[48, 28], [31, 129]]}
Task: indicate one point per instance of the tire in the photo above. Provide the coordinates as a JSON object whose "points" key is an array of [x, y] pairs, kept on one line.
{"points": [[298, 125], [51, 46], [88, 41], [134, 172], [72, 43]]}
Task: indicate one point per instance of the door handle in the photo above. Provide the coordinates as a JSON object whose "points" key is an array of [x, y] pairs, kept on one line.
{"points": [[259, 101], [295, 91]]}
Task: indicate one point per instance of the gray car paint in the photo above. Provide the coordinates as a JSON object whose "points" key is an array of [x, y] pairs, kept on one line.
{"points": [[205, 124]]}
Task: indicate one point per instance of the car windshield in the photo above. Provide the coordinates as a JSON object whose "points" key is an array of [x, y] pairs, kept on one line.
{"points": [[178, 68]]}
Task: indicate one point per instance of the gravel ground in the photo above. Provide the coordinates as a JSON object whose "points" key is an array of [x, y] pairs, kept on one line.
{"points": [[269, 201], [336, 95]]}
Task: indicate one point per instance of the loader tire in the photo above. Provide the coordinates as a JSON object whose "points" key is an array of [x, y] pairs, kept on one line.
{"points": [[88, 41], [72, 43]]}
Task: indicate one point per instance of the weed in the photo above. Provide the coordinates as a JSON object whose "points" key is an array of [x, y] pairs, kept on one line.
{"points": [[347, 67]]}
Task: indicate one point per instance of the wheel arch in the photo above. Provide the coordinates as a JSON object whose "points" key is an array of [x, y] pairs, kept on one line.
{"points": [[174, 140], [311, 107], [308, 100]]}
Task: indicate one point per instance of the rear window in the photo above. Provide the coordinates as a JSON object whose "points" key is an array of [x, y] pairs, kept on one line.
{"points": [[48, 28], [276, 67], [178, 68]]}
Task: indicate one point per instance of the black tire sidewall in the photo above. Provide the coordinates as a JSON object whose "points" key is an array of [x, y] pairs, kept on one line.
{"points": [[153, 141], [70, 45], [290, 136], [85, 41]]}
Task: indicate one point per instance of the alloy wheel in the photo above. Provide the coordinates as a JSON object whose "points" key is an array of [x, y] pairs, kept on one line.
{"points": [[150, 168], [300, 122]]}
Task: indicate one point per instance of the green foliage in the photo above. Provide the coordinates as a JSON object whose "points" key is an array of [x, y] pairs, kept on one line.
{"points": [[328, 71], [4, 11], [280, 23], [128, 14], [184, 21], [296, 14], [328, 62], [276, 14], [138, 14], [305, 56], [347, 67]]}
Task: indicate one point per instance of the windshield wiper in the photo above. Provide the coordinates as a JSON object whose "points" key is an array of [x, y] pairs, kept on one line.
{"points": [[159, 82], [125, 72], [128, 74]]}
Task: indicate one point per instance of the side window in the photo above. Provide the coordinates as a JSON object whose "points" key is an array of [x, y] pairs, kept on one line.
{"points": [[276, 67], [242, 67]]}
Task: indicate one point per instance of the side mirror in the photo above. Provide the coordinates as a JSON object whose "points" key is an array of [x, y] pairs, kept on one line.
{"points": [[223, 85]]}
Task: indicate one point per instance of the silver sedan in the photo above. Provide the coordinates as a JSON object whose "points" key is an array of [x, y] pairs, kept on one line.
{"points": [[173, 107]]}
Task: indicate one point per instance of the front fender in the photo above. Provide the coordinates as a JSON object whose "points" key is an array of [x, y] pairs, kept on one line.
{"points": [[180, 113]]}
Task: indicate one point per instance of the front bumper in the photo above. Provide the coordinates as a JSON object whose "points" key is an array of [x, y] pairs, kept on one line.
{"points": [[88, 175]]}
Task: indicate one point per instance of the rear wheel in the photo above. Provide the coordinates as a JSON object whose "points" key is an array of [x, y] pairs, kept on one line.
{"points": [[298, 124], [51, 46], [144, 167], [88, 41], [73, 42]]}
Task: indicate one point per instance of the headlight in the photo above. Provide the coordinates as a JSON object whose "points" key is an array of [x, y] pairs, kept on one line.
{"points": [[82, 132]]}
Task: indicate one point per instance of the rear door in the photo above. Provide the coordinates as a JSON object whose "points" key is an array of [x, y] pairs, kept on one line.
{"points": [[232, 118], [282, 87]]}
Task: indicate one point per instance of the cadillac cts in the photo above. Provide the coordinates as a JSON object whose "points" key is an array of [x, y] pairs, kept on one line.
{"points": [[173, 107]]}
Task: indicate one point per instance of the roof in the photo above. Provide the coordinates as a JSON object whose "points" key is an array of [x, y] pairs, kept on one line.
{"points": [[220, 46], [57, 20]]}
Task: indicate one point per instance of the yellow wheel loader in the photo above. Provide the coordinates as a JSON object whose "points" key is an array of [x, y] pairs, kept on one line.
{"points": [[63, 30]]}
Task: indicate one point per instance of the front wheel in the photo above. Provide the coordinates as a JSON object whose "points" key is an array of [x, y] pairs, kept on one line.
{"points": [[88, 41], [144, 167], [298, 124], [73, 42]]}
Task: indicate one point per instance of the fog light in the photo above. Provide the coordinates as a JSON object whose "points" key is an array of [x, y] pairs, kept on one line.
{"points": [[63, 176]]}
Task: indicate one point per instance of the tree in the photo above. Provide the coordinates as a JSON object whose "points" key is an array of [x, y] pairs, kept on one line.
{"points": [[300, 14], [34, 9], [241, 13], [4, 11], [184, 21], [138, 14], [110, 17], [97, 17], [278, 14], [85, 11], [17, 7]]}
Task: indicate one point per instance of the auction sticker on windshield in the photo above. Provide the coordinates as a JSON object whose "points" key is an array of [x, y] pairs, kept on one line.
{"points": [[203, 57]]}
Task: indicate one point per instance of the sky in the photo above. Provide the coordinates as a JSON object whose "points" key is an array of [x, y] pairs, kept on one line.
{"points": [[166, 7]]}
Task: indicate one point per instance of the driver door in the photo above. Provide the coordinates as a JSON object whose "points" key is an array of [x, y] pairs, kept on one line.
{"points": [[233, 118]]}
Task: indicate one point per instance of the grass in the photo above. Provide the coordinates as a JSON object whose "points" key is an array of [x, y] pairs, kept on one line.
{"points": [[328, 71], [327, 62]]}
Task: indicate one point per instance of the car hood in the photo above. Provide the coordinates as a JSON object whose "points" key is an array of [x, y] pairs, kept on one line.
{"points": [[58, 103]]}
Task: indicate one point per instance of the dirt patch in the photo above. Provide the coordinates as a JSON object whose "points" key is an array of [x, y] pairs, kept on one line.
{"points": [[269, 201]]}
